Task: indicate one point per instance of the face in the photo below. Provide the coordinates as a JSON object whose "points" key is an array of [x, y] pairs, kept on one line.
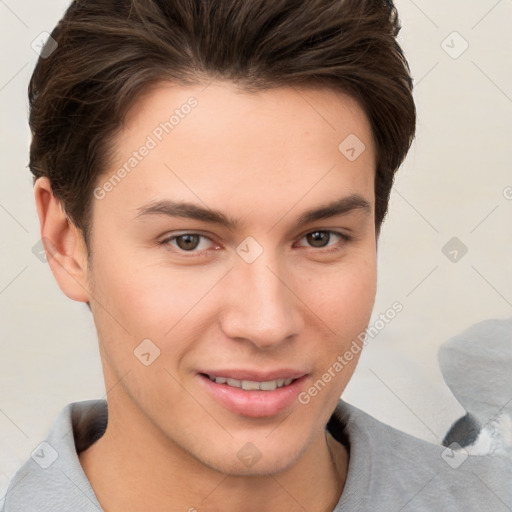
{"points": [[239, 244]]}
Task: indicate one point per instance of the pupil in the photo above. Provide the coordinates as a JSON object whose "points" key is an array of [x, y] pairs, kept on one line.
{"points": [[190, 241], [318, 236]]}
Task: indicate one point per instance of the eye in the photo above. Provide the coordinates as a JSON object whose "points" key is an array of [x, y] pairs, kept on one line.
{"points": [[321, 238], [197, 244], [187, 242]]}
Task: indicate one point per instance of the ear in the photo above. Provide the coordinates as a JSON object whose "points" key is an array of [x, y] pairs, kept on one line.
{"points": [[63, 242]]}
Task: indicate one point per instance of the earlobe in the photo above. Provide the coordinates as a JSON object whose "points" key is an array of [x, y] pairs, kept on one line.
{"points": [[63, 242]]}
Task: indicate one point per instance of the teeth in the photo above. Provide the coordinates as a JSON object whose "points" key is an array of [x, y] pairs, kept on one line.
{"points": [[250, 385], [268, 386]]}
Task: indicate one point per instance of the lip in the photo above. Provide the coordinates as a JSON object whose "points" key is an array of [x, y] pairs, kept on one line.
{"points": [[254, 403]]}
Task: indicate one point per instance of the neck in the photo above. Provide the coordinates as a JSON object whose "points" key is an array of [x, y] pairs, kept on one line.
{"points": [[132, 469]]}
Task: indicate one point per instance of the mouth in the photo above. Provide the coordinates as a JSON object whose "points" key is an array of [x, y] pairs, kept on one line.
{"points": [[253, 394]]}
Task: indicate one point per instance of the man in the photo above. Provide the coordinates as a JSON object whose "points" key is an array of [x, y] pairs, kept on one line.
{"points": [[211, 178]]}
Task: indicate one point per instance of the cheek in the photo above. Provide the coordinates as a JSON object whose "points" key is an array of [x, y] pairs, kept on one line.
{"points": [[146, 299], [345, 307], [343, 298], [342, 307], [140, 304]]}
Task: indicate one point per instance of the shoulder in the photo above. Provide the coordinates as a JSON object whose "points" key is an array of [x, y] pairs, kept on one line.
{"points": [[390, 469], [52, 478]]}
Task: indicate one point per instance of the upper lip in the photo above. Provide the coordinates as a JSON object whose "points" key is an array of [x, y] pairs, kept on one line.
{"points": [[256, 376]]}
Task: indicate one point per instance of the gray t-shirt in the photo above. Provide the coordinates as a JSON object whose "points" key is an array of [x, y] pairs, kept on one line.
{"points": [[389, 471]]}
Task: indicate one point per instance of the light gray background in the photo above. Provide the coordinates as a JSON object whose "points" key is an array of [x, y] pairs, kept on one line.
{"points": [[456, 182]]}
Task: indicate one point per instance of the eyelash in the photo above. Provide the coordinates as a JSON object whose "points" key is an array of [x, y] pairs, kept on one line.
{"points": [[194, 253]]}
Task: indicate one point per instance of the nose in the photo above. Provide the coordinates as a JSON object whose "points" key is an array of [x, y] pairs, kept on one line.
{"points": [[261, 306]]}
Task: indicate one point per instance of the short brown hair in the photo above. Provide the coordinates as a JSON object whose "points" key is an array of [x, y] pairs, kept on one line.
{"points": [[111, 51]]}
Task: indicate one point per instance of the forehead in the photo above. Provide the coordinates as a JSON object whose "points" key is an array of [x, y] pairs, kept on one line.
{"points": [[221, 146], [221, 104]]}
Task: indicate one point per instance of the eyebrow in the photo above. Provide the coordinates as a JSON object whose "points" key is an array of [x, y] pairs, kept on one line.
{"points": [[343, 206]]}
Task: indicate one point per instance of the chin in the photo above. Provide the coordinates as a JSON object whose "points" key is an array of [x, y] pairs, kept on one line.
{"points": [[266, 466], [258, 458]]}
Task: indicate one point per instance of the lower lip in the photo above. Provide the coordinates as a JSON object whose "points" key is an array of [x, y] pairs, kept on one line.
{"points": [[254, 403]]}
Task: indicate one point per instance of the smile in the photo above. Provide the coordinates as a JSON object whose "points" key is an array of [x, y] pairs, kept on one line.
{"points": [[252, 393]]}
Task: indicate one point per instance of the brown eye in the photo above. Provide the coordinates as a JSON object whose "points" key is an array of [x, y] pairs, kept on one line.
{"points": [[329, 241], [188, 242], [318, 238], [194, 243]]}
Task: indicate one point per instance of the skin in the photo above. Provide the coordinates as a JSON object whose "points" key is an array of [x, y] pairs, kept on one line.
{"points": [[262, 158]]}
